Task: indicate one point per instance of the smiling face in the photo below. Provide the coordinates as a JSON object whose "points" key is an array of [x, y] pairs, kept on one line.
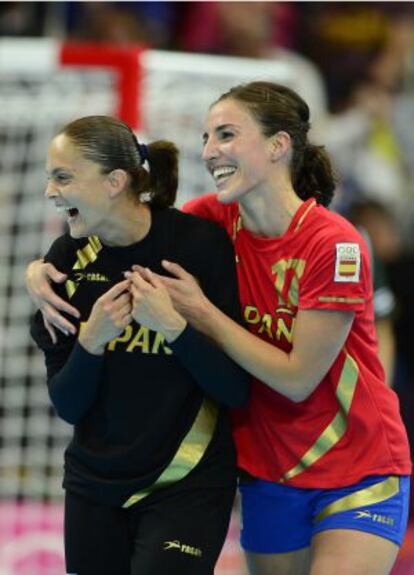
{"points": [[78, 188], [235, 152]]}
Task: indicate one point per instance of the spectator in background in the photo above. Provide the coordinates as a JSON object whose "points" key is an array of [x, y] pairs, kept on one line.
{"points": [[367, 131], [144, 22], [342, 38], [252, 30], [22, 18], [375, 223], [371, 137]]}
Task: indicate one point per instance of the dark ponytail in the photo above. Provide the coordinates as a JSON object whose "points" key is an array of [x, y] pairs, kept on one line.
{"points": [[113, 145], [278, 108], [163, 175], [312, 174]]}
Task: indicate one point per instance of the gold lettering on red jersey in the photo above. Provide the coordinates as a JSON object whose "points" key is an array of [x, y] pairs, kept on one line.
{"points": [[285, 328], [251, 314], [278, 326], [266, 325], [288, 273]]}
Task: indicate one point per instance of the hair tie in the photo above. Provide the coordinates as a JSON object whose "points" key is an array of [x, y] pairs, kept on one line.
{"points": [[143, 152]]}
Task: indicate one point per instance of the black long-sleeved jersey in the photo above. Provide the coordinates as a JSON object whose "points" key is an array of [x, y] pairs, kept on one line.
{"points": [[145, 414]]}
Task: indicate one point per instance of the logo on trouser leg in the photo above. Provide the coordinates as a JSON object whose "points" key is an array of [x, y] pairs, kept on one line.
{"points": [[182, 547]]}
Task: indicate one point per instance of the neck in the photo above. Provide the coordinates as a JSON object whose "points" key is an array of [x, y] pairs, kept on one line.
{"points": [[269, 213], [130, 225]]}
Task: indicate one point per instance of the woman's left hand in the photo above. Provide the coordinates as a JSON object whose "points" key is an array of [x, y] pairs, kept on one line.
{"points": [[152, 305], [185, 292]]}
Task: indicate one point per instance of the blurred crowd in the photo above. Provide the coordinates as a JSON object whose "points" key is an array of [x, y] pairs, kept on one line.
{"points": [[356, 63]]}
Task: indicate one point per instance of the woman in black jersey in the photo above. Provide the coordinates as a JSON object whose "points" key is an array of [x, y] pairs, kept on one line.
{"points": [[150, 470]]}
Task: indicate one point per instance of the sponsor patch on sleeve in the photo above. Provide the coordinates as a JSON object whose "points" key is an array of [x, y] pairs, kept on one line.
{"points": [[347, 262]]}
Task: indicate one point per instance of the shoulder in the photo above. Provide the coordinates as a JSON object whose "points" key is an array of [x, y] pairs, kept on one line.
{"points": [[201, 246], [327, 227], [333, 244], [206, 201], [209, 207], [196, 228], [64, 250], [60, 245]]}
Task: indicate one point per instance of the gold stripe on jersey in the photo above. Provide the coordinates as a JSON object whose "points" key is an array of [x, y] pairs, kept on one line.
{"points": [[85, 256], [189, 453], [237, 226], [305, 213], [367, 496], [327, 299], [338, 426]]}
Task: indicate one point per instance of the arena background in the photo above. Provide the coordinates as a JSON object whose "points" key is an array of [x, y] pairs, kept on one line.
{"points": [[45, 82]]}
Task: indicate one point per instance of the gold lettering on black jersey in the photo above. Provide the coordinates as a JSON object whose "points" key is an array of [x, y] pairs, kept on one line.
{"points": [[138, 338], [141, 340], [85, 256]]}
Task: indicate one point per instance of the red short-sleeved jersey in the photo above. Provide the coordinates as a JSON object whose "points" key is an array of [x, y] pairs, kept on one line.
{"points": [[350, 426]]}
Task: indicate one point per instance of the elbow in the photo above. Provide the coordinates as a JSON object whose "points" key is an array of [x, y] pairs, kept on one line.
{"points": [[299, 391], [298, 397], [64, 409]]}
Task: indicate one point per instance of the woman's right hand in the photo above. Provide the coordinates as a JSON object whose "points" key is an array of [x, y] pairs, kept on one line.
{"points": [[110, 315], [38, 278]]}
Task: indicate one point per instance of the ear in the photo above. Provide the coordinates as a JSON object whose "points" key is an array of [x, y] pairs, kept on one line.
{"points": [[117, 181], [280, 145]]}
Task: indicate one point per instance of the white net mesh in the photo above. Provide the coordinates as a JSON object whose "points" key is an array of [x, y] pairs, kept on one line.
{"points": [[177, 91], [32, 108]]}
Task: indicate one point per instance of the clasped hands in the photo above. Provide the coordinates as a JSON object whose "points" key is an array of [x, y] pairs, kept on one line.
{"points": [[161, 303]]}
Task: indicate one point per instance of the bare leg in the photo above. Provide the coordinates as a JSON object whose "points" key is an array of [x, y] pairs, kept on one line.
{"points": [[349, 552], [294, 563]]}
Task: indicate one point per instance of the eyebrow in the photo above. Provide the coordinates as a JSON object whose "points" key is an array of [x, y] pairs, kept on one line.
{"points": [[218, 129], [57, 171]]}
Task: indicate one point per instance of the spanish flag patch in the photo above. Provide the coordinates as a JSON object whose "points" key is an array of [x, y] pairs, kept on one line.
{"points": [[347, 262]]}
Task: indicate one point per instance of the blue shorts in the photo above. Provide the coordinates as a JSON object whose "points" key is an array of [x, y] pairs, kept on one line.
{"points": [[277, 518]]}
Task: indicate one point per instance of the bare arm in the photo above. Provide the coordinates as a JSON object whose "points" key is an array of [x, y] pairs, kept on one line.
{"points": [[318, 338], [38, 278]]}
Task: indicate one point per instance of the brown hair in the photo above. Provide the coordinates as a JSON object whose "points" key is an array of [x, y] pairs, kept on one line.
{"points": [[278, 108], [113, 145]]}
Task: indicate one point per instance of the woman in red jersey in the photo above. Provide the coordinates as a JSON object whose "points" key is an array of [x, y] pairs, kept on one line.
{"points": [[321, 445]]}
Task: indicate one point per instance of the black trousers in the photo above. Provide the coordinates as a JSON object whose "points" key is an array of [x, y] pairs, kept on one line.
{"points": [[172, 532]]}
